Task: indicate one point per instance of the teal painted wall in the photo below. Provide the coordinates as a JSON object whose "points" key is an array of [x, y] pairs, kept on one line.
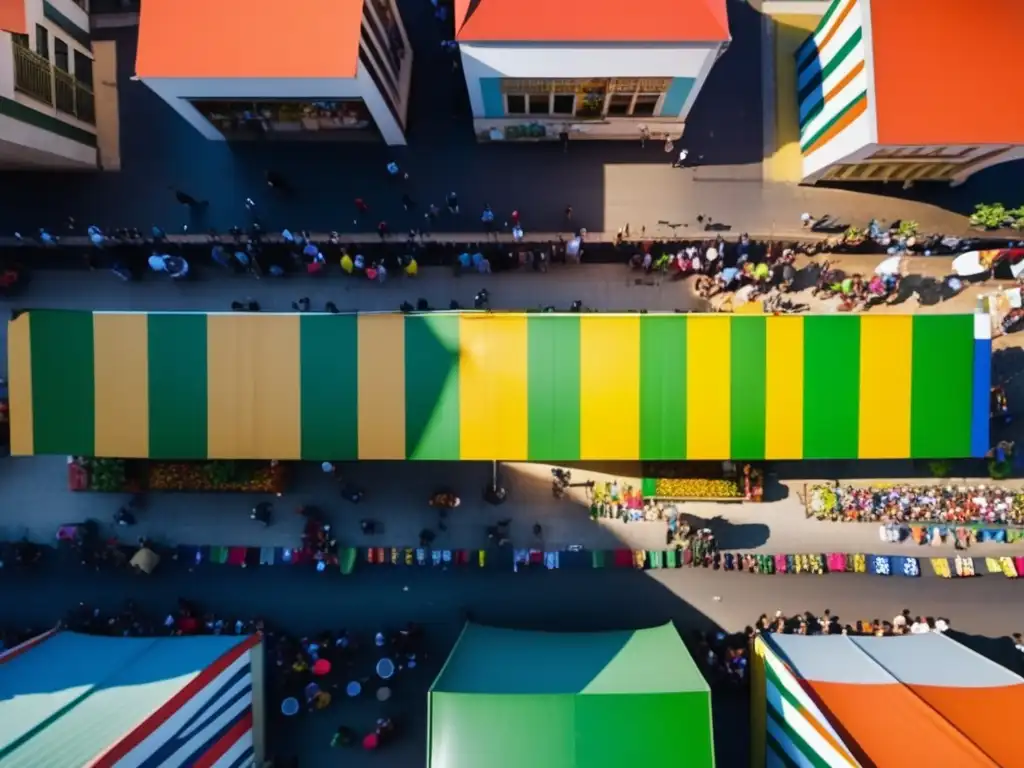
{"points": [[676, 96], [494, 104]]}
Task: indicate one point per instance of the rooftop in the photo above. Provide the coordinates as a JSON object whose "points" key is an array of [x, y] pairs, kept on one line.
{"points": [[591, 21], [69, 697], [231, 39], [934, 84], [955, 706]]}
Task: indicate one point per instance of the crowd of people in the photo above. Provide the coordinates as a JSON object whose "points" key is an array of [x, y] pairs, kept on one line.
{"points": [[916, 504], [726, 656]]}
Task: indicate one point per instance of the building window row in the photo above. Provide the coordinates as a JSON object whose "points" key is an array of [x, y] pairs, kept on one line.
{"points": [[61, 54], [620, 97], [584, 105]]}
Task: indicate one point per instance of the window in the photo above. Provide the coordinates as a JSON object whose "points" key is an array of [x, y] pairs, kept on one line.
{"points": [[619, 104], [83, 69], [563, 104], [60, 55], [539, 105], [515, 104], [42, 42], [645, 105]]}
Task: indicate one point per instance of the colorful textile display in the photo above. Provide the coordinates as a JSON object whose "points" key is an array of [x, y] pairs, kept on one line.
{"points": [[880, 565], [905, 566], [860, 564], [941, 567], [964, 566], [1008, 568], [836, 562]]}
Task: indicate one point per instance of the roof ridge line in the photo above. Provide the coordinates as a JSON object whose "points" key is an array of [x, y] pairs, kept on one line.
{"points": [[928, 707]]}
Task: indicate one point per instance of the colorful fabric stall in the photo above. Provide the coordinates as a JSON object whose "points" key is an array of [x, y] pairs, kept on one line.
{"points": [[447, 386]]}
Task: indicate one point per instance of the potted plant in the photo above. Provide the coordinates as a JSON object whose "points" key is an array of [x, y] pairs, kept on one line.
{"points": [[853, 236], [989, 216], [906, 228]]}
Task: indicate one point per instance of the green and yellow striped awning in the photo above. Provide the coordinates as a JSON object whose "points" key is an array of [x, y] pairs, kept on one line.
{"points": [[544, 387]]}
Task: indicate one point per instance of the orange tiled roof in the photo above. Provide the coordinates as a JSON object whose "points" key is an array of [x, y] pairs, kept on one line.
{"points": [[947, 73], [240, 39], [591, 21]]}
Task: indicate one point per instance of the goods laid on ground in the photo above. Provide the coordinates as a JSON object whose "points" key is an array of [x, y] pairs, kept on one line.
{"points": [[962, 536], [515, 560], [916, 504], [135, 476]]}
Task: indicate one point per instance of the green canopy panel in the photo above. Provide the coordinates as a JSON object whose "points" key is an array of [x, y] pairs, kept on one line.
{"points": [[508, 698]]}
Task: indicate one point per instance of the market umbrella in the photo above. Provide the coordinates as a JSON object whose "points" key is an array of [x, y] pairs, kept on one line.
{"points": [[145, 560], [353, 689], [321, 667], [383, 693], [969, 264], [370, 741], [290, 706], [311, 691], [1017, 269], [890, 266], [385, 668]]}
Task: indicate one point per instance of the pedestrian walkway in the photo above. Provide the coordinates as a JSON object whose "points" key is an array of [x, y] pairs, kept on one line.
{"points": [[607, 183]]}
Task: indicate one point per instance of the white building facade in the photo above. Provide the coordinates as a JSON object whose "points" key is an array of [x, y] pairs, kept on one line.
{"points": [[531, 91], [359, 90], [47, 106]]}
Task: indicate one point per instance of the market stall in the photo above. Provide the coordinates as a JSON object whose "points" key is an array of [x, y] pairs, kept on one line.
{"points": [[486, 386]]}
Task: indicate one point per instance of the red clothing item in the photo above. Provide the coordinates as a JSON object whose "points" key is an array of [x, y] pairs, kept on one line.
{"points": [[188, 625], [515, 218], [361, 205]]}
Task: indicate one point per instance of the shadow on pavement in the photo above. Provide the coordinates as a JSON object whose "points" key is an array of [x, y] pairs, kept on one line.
{"points": [[376, 598]]}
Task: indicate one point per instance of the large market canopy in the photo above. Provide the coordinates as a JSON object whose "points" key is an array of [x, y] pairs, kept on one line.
{"points": [[840, 700], [546, 387], [69, 699], [509, 698]]}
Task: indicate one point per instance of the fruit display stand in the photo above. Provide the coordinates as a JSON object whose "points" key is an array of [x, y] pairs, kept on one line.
{"points": [[135, 476], [228, 476], [702, 481]]}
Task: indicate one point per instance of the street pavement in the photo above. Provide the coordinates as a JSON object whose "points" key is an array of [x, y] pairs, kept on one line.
{"points": [[607, 183]]}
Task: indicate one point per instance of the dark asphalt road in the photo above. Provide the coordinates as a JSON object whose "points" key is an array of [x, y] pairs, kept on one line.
{"points": [[160, 150], [302, 602]]}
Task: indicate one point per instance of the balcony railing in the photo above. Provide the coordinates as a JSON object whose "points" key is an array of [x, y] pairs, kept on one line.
{"points": [[33, 75], [85, 106], [36, 77]]}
